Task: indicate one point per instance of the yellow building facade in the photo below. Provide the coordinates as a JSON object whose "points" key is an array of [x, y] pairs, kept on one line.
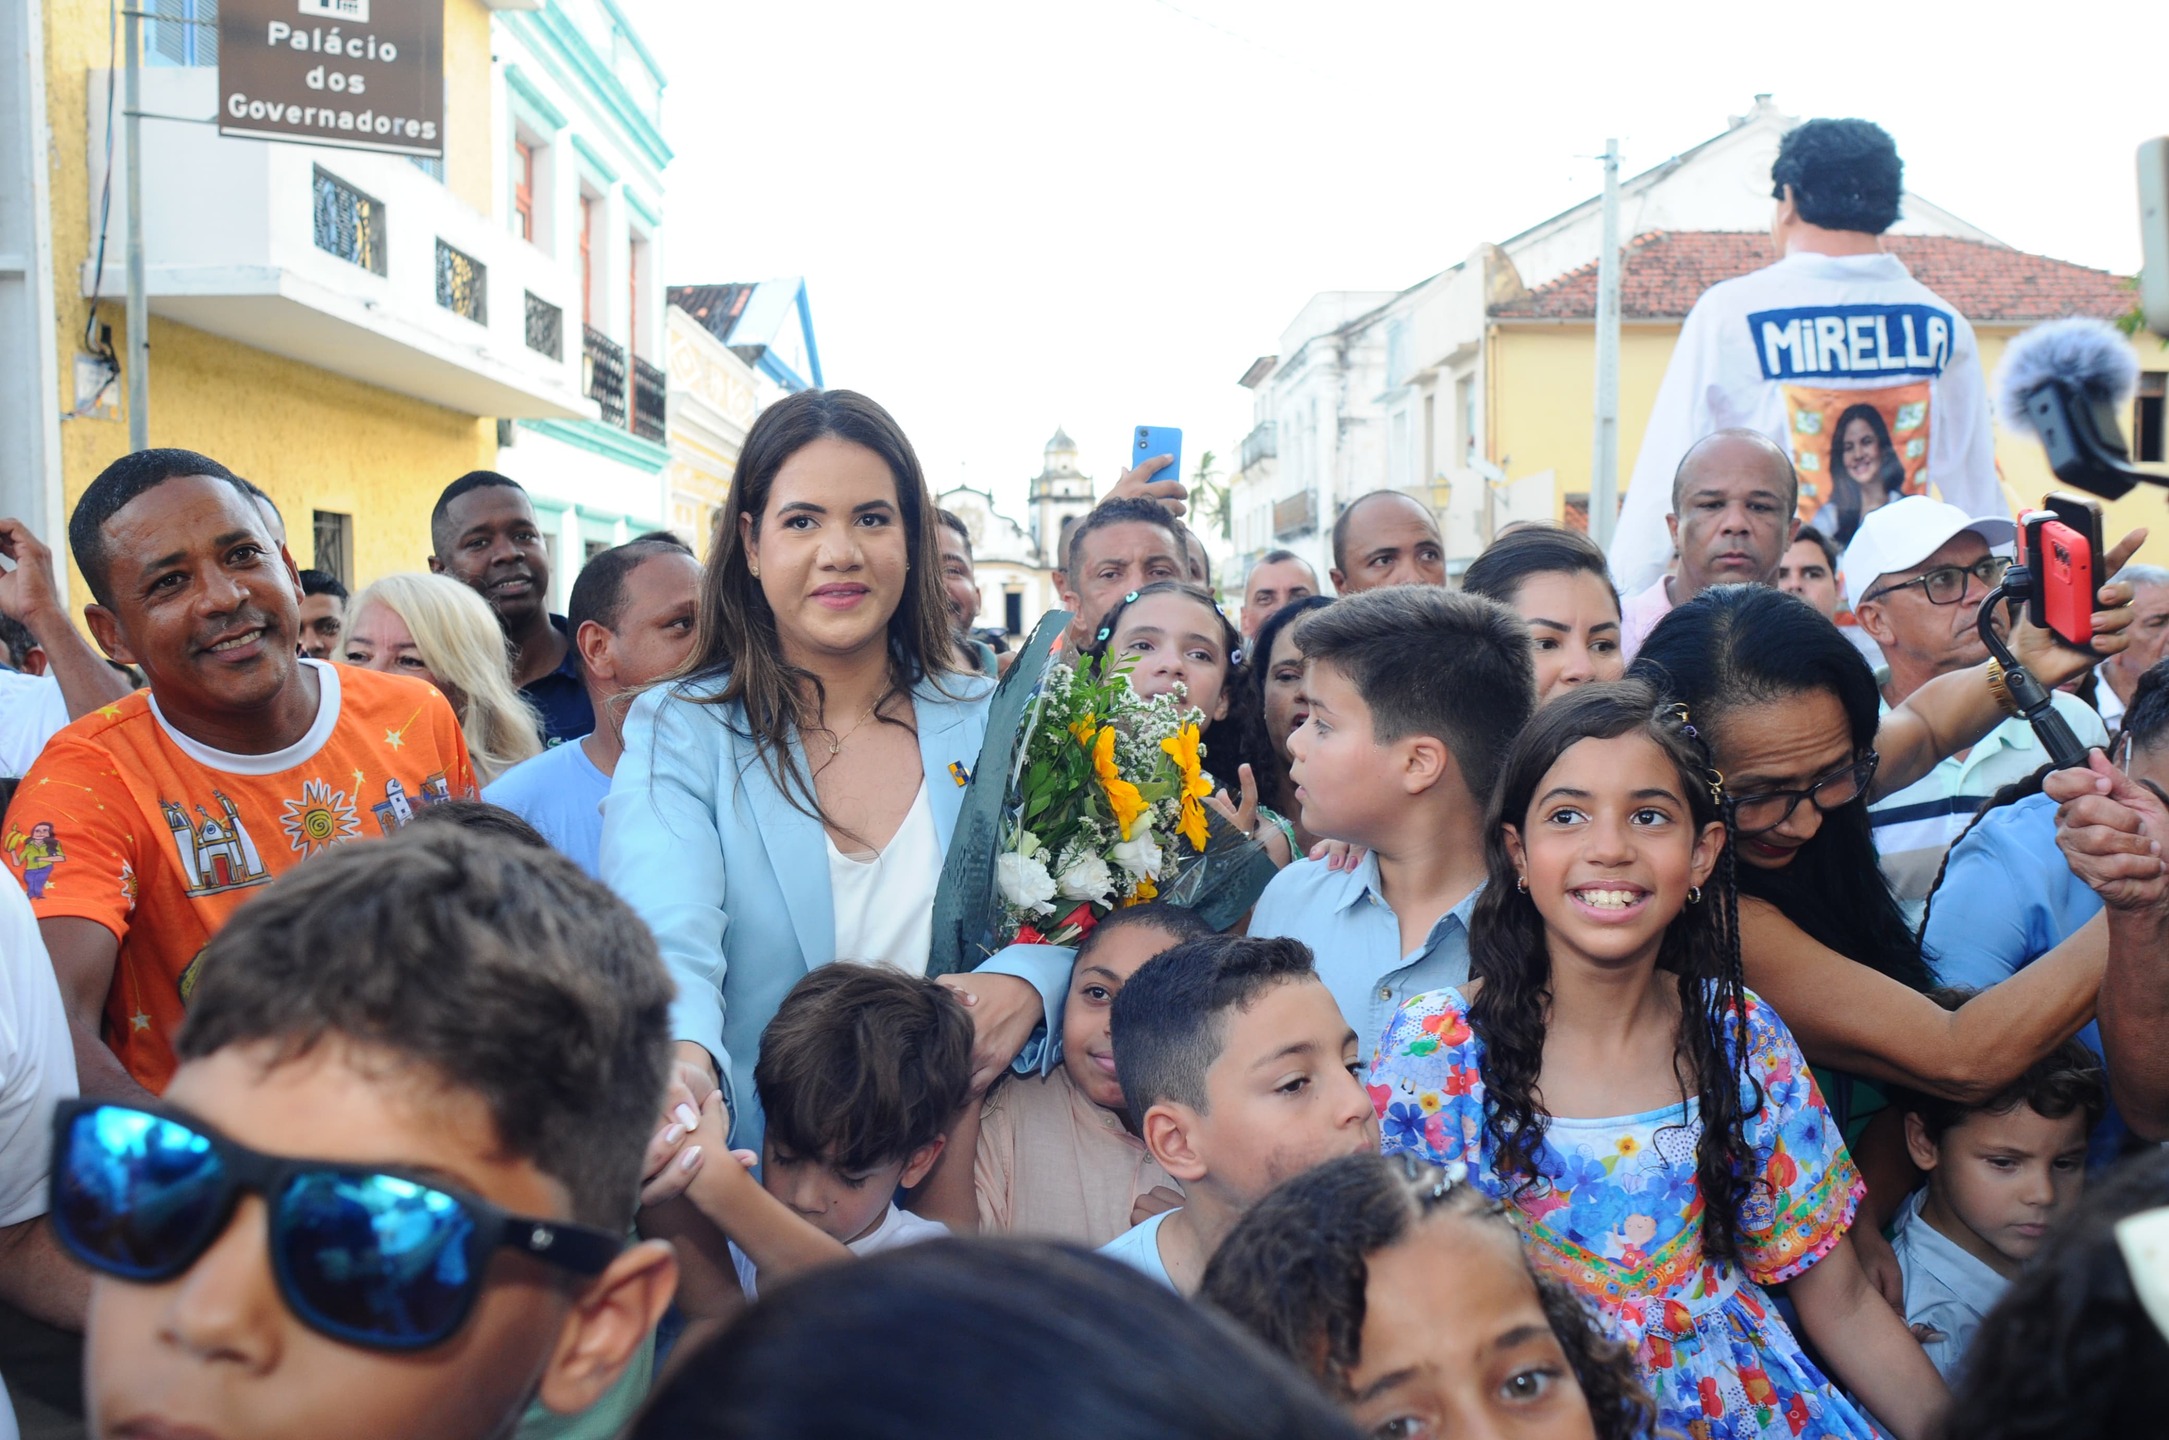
{"points": [[347, 386], [1539, 389]]}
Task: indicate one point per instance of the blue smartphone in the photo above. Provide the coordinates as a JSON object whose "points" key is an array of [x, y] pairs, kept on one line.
{"points": [[1147, 441]]}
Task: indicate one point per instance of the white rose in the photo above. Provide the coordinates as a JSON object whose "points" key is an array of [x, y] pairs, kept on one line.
{"points": [[1087, 878], [1139, 856], [1024, 883]]}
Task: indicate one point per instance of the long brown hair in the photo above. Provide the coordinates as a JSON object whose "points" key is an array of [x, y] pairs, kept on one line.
{"points": [[1508, 952], [737, 642]]}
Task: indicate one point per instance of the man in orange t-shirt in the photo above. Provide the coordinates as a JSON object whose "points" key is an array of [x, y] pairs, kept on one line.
{"points": [[144, 826]]}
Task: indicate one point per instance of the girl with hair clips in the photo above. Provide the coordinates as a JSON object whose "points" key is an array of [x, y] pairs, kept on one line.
{"points": [[1865, 472], [2075, 1346], [436, 629], [1173, 635], [1405, 1293], [1273, 694], [1609, 1075], [1556, 580], [789, 798]]}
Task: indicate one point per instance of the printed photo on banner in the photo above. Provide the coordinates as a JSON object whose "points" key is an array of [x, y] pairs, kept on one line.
{"points": [[1856, 450]]}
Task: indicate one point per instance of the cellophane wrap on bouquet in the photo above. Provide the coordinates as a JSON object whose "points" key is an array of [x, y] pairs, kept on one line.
{"points": [[1100, 805]]}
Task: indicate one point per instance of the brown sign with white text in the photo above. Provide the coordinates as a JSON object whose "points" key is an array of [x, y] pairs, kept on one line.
{"points": [[362, 74]]}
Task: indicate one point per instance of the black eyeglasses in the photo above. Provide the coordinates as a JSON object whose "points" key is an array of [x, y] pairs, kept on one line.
{"points": [[366, 1256], [1753, 815], [1946, 584]]}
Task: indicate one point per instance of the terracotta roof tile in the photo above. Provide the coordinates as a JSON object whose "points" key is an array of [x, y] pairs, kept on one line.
{"points": [[1666, 271]]}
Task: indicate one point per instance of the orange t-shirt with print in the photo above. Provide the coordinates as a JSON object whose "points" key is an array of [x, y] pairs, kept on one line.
{"points": [[125, 821]]}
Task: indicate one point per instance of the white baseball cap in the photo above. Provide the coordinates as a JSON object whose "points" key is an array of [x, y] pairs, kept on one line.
{"points": [[1907, 531]]}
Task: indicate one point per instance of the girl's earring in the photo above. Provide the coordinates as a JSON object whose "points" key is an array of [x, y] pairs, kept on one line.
{"points": [[1694, 894], [1522, 884]]}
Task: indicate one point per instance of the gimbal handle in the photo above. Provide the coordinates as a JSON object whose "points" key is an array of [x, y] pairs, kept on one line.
{"points": [[2029, 694]]}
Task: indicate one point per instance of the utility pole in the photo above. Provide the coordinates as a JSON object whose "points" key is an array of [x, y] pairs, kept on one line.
{"points": [[1604, 462], [139, 320]]}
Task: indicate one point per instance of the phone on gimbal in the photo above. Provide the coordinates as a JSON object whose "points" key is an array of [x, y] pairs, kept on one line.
{"points": [[2061, 547]]}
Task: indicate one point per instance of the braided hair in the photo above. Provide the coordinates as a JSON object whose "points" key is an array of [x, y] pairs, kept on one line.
{"points": [[1701, 947], [1295, 1270]]}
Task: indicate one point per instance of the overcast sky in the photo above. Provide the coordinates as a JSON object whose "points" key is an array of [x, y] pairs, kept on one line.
{"points": [[1016, 215]]}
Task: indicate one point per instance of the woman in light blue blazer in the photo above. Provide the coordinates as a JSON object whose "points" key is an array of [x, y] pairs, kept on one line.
{"points": [[788, 798]]}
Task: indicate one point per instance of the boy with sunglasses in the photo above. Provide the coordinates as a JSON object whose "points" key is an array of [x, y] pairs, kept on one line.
{"points": [[1917, 573], [387, 1190]]}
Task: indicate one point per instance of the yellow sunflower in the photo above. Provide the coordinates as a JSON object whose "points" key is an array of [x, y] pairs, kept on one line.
{"points": [[1123, 798], [1196, 785]]}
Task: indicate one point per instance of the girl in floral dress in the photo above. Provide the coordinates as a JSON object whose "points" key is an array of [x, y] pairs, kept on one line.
{"points": [[1609, 1076]]}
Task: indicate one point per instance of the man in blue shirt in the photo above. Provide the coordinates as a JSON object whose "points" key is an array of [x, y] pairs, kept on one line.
{"points": [[483, 534], [2007, 896], [632, 618]]}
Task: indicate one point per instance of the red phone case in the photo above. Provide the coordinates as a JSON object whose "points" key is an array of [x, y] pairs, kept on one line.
{"points": [[2066, 563]]}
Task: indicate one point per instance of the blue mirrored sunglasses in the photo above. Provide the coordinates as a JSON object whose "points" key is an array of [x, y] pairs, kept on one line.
{"points": [[367, 1256]]}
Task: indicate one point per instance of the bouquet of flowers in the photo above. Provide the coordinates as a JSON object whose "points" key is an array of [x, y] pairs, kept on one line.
{"points": [[1109, 790], [1087, 797]]}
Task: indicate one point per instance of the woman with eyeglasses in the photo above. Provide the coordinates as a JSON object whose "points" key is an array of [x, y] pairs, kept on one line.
{"points": [[1795, 724]]}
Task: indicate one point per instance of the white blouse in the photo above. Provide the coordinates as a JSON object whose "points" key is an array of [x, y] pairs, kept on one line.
{"points": [[884, 901]]}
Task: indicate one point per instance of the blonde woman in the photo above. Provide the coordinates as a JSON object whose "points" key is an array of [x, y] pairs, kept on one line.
{"points": [[434, 628]]}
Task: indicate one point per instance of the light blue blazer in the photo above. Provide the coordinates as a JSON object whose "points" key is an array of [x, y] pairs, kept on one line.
{"points": [[733, 878]]}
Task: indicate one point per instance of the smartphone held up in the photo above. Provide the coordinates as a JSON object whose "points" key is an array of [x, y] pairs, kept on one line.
{"points": [[2061, 547], [1150, 441]]}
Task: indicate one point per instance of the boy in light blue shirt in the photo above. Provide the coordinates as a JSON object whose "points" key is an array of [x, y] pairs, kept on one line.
{"points": [[2001, 1175], [1415, 694], [1239, 1073], [632, 616]]}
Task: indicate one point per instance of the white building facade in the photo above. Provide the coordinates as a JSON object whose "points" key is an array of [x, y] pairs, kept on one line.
{"points": [[1376, 390], [1015, 563], [580, 183]]}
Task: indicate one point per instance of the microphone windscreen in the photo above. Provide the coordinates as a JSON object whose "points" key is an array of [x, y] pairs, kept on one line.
{"points": [[2090, 356]]}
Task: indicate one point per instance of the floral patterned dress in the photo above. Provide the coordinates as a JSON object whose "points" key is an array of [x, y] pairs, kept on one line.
{"points": [[1617, 1215]]}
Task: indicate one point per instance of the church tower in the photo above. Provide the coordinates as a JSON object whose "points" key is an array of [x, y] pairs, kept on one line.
{"points": [[1061, 494]]}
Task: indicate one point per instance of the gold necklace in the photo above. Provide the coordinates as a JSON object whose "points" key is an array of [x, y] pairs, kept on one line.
{"points": [[835, 741]]}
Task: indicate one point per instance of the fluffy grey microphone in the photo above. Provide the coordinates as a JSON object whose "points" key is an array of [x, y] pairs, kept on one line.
{"points": [[2091, 357]]}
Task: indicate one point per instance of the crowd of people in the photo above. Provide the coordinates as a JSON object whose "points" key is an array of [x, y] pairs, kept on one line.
{"points": [[430, 1015]]}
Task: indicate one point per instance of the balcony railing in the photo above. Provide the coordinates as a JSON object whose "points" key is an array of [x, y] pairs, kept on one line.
{"points": [[462, 284], [1260, 444], [602, 374], [1296, 515], [298, 257], [545, 328], [349, 224], [648, 400]]}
